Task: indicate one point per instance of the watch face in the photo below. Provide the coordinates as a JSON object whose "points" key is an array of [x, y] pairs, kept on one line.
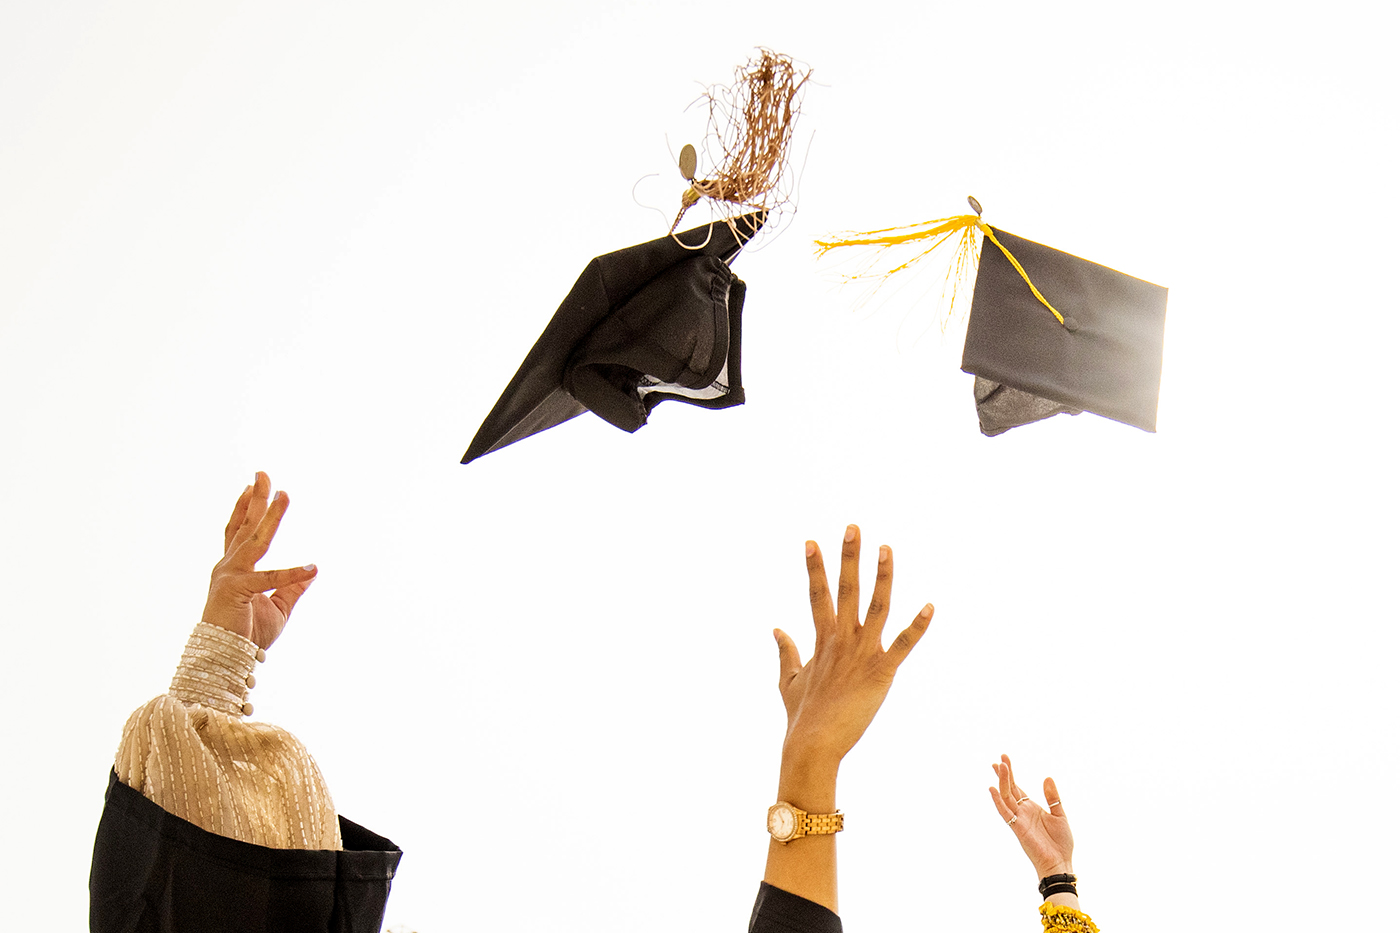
{"points": [[780, 822]]}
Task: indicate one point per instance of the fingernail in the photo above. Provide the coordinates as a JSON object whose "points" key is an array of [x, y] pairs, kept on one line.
{"points": [[311, 567], [884, 553], [850, 533], [927, 611], [276, 494], [811, 548]]}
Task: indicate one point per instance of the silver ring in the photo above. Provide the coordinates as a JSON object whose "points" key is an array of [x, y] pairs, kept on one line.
{"points": [[1010, 821], [1023, 799], [1054, 803]]}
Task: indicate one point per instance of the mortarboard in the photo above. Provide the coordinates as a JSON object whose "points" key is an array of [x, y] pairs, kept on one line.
{"points": [[644, 324], [660, 320], [1048, 333], [1105, 356]]}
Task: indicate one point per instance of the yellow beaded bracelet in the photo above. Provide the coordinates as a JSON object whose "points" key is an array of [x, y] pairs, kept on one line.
{"points": [[1060, 917]]}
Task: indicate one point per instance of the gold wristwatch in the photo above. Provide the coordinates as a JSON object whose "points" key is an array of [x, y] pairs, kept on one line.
{"points": [[786, 823]]}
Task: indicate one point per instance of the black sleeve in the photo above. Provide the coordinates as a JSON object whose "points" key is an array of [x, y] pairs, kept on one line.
{"points": [[777, 911]]}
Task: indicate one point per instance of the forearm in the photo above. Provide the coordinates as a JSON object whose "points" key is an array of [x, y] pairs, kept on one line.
{"points": [[1055, 909], [1057, 870], [806, 866]]}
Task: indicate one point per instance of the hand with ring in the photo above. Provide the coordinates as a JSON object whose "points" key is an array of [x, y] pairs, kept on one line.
{"points": [[1043, 833]]}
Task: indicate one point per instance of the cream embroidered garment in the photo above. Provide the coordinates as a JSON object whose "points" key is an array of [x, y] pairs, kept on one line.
{"points": [[191, 752]]}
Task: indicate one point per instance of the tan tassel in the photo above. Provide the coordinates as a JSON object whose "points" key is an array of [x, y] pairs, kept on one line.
{"points": [[751, 127]]}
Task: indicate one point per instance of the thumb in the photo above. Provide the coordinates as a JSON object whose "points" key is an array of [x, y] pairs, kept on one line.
{"points": [[1052, 798], [789, 661]]}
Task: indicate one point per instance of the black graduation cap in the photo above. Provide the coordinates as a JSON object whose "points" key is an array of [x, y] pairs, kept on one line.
{"points": [[1105, 356], [652, 322]]}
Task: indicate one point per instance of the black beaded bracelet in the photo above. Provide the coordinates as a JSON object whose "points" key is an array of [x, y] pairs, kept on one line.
{"points": [[1058, 884]]}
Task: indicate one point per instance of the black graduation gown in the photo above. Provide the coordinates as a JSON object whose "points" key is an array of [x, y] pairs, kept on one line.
{"points": [[153, 872]]}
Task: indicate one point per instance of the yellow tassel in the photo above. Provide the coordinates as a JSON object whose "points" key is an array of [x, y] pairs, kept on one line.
{"points": [[963, 226], [1034, 291]]}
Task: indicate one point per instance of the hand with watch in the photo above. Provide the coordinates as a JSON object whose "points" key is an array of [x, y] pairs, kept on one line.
{"points": [[830, 702], [1045, 838]]}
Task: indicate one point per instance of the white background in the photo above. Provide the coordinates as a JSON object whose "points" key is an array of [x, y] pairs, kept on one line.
{"points": [[317, 238]]}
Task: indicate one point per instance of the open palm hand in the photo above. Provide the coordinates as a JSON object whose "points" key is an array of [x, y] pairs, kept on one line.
{"points": [[1044, 834], [832, 699]]}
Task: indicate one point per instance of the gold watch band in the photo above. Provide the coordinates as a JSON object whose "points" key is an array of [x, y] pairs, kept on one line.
{"points": [[823, 824], [786, 823]]}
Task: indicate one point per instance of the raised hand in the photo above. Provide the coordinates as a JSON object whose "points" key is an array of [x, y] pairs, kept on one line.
{"points": [[1044, 834], [238, 599], [832, 699], [830, 702]]}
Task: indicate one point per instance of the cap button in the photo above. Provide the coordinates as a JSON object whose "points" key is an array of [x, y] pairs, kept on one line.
{"points": [[247, 709]]}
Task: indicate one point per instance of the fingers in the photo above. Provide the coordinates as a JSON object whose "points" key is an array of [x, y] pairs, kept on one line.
{"points": [[789, 660], [823, 615], [908, 638], [285, 597], [880, 599], [1016, 793], [261, 581], [1002, 810], [253, 513], [235, 521], [1004, 784], [848, 586], [255, 546], [1052, 798]]}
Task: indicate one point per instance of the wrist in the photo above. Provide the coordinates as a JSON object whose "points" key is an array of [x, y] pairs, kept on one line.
{"points": [[808, 782], [808, 754], [216, 670], [239, 626]]}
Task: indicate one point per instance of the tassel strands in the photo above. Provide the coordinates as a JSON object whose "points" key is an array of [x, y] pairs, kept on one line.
{"points": [[750, 127], [964, 227], [931, 235]]}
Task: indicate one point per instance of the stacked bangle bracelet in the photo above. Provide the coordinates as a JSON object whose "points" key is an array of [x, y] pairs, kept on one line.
{"points": [[1058, 884]]}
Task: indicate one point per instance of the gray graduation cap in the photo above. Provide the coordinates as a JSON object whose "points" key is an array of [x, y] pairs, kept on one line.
{"points": [[1104, 357], [1048, 333]]}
